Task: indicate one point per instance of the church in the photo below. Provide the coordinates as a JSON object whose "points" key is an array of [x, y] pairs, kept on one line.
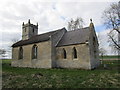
{"points": [[56, 49]]}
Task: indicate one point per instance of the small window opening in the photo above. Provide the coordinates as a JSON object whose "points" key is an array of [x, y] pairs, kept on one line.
{"points": [[74, 53], [64, 54]]}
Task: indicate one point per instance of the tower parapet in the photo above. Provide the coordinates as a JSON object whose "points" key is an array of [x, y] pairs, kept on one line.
{"points": [[29, 30]]}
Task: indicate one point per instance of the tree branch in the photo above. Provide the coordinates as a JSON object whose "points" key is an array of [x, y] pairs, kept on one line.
{"points": [[118, 47], [116, 30]]}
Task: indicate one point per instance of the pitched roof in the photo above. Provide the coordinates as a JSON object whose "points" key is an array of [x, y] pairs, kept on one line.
{"points": [[36, 38], [75, 37], [69, 38]]}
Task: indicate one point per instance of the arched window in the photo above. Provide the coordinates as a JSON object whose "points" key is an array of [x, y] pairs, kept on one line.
{"points": [[33, 30], [74, 53], [20, 53], [64, 54], [34, 52], [94, 41], [25, 29]]}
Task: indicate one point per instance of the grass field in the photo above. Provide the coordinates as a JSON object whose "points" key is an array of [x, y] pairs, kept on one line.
{"points": [[110, 57], [101, 77]]}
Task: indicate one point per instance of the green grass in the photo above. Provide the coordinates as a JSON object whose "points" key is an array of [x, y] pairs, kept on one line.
{"points": [[6, 61], [14, 77], [110, 57]]}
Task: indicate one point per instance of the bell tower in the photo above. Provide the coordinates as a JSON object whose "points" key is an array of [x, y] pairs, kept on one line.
{"points": [[29, 30]]}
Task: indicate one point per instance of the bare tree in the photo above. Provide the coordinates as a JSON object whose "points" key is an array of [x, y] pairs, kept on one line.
{"points": [[111, 17], [14, 40], [102, 50], [75, 24], [2, 52]]}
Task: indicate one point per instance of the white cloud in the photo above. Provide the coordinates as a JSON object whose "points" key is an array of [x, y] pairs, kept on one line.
{"points": [[103, 41], [50, 15]]}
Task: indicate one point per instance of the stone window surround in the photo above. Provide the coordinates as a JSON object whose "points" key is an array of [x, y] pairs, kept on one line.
{"points": [[74, 54], [66, 54], [20, 54], [35, 47]]}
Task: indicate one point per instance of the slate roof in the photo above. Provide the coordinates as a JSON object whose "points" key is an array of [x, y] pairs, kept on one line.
{"points": [[69, 38], [36, 39], [75, 37]]}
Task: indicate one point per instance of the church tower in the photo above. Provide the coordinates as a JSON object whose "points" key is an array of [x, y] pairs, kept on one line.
{"points": [[29, 30]]}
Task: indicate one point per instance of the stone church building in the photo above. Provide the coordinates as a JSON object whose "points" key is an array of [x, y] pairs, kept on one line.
{"points": [[56, 49]]}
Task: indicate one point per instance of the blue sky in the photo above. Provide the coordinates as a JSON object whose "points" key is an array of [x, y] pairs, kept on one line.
{"points": [[50, 15], [100, 28]]}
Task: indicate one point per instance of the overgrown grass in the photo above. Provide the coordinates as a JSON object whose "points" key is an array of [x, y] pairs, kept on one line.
{"points": [[102, 77]]}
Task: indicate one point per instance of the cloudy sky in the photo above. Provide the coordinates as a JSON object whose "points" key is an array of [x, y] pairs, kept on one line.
{"points": [[50, 15]]}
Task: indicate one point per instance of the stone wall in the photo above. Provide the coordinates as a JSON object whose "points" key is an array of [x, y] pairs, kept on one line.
{"points": [[54, 41], [29, 30], [50, 56], [43, 60], [82, 61], [94, 46]]}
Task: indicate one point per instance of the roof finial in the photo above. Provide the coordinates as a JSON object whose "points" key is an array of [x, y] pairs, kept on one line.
{"points": [[91, 23], [29, 21], [91, 20], [37, 23], [23, 24]]}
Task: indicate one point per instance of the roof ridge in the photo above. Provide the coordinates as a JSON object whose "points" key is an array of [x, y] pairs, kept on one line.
{"points": [[50, 31]]}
